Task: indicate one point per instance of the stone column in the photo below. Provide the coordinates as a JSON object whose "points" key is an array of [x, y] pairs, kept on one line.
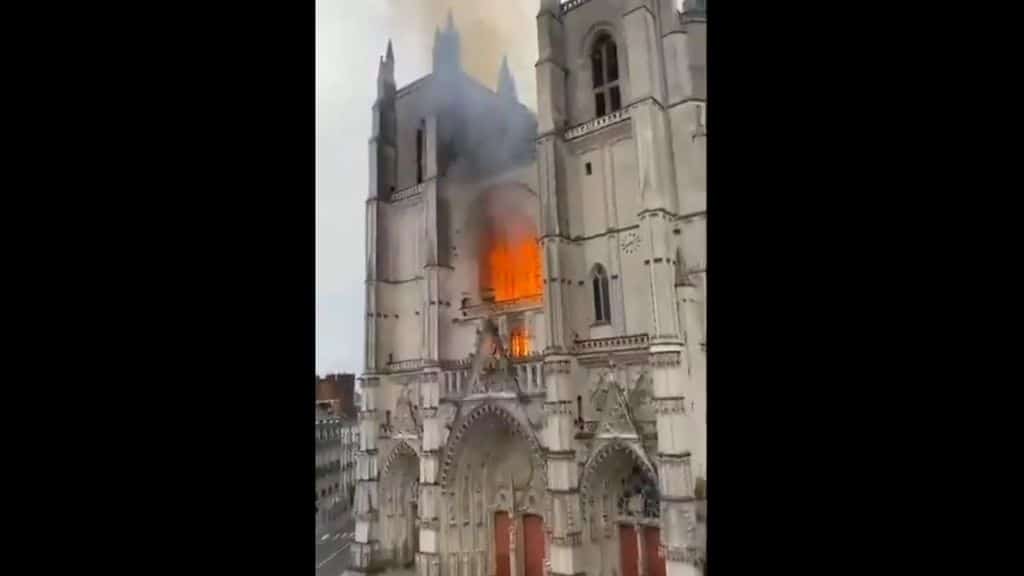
{"points": [[690, 308], [428, 558], [365, 548], [512, 564], [558, 250], [674, 389], [372, 322], [563, 477], [430, 294], [616, 301]]}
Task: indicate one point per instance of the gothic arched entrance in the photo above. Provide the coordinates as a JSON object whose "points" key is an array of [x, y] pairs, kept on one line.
{"points": [[493, 481], [622, 506], [399, 496]]}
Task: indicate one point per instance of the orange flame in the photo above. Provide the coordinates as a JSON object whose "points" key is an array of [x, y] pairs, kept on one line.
{"points": [[514, 270], [520, 343]]}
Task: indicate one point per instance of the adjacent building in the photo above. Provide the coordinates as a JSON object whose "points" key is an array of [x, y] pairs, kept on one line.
{"points": [[331, 496], [335, 427], [534, 392]]}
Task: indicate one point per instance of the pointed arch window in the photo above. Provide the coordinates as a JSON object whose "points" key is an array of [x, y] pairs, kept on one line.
{"points": [[604, 66], [602, 305]]}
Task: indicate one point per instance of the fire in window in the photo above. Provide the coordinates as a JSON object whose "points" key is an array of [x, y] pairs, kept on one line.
{"points": [[520, 343]]}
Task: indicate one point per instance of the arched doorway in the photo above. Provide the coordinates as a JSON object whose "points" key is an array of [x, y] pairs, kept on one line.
{"points": [[493, 484], [622, 506], [399, 496]]}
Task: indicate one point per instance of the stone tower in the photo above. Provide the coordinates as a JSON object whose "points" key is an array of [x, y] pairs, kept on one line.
{"points": [[534, 393]]}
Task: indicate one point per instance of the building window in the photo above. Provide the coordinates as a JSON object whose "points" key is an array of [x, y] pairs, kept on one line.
{"points": [[602, 307], [604, 65]]}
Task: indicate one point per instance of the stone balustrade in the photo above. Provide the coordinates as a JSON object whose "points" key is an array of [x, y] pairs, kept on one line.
{"points": [[611, 343], [406, 193], [597, 123], [572, 5], [404, 365], [454, 379], [456, 375]]}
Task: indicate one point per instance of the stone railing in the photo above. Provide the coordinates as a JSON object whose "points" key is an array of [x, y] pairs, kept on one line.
{"points": [[454, 378], [485, 309], [530, 373], [456, 364], [403, 365], [456, 375], [612, 343], [597, 124], [406, 193], [572, 5]]}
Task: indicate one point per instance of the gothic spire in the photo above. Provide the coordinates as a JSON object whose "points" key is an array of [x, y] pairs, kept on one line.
{"points": [[506, 84], [446, 48], [386, 73]]}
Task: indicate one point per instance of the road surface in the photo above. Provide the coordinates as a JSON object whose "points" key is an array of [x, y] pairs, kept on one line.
{"points": [[332, 549]]}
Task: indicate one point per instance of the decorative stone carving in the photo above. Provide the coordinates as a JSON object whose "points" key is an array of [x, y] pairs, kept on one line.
{"points": [[688, 554], [557, 367], [563, 408], [642, 392], [632, 448], [570, 539], [405, 419], [400, 447], [665, 359], [670, 406], [616, 417], [518, 427]]}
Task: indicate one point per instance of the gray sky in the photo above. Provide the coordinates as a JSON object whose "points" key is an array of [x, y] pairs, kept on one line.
{"points": [[351, 36]]}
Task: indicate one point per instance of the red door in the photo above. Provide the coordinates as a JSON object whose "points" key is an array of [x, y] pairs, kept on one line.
{"points": [[533, 544], [627, 550], [501, 526], [652, 558]]}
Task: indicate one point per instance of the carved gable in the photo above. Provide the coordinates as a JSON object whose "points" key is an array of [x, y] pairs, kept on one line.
{"points": [[616, 418], [405, 421]]}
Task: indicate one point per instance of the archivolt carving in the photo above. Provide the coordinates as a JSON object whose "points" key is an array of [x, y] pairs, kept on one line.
{"points": [[401, 447], [517, 425], [593, 465]]}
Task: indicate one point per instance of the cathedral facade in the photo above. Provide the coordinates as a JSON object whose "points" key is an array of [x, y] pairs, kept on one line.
{"points": [[534, 395]]}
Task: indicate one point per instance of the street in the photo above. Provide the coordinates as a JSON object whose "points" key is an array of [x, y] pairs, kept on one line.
{"points": [[332, 548]]}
